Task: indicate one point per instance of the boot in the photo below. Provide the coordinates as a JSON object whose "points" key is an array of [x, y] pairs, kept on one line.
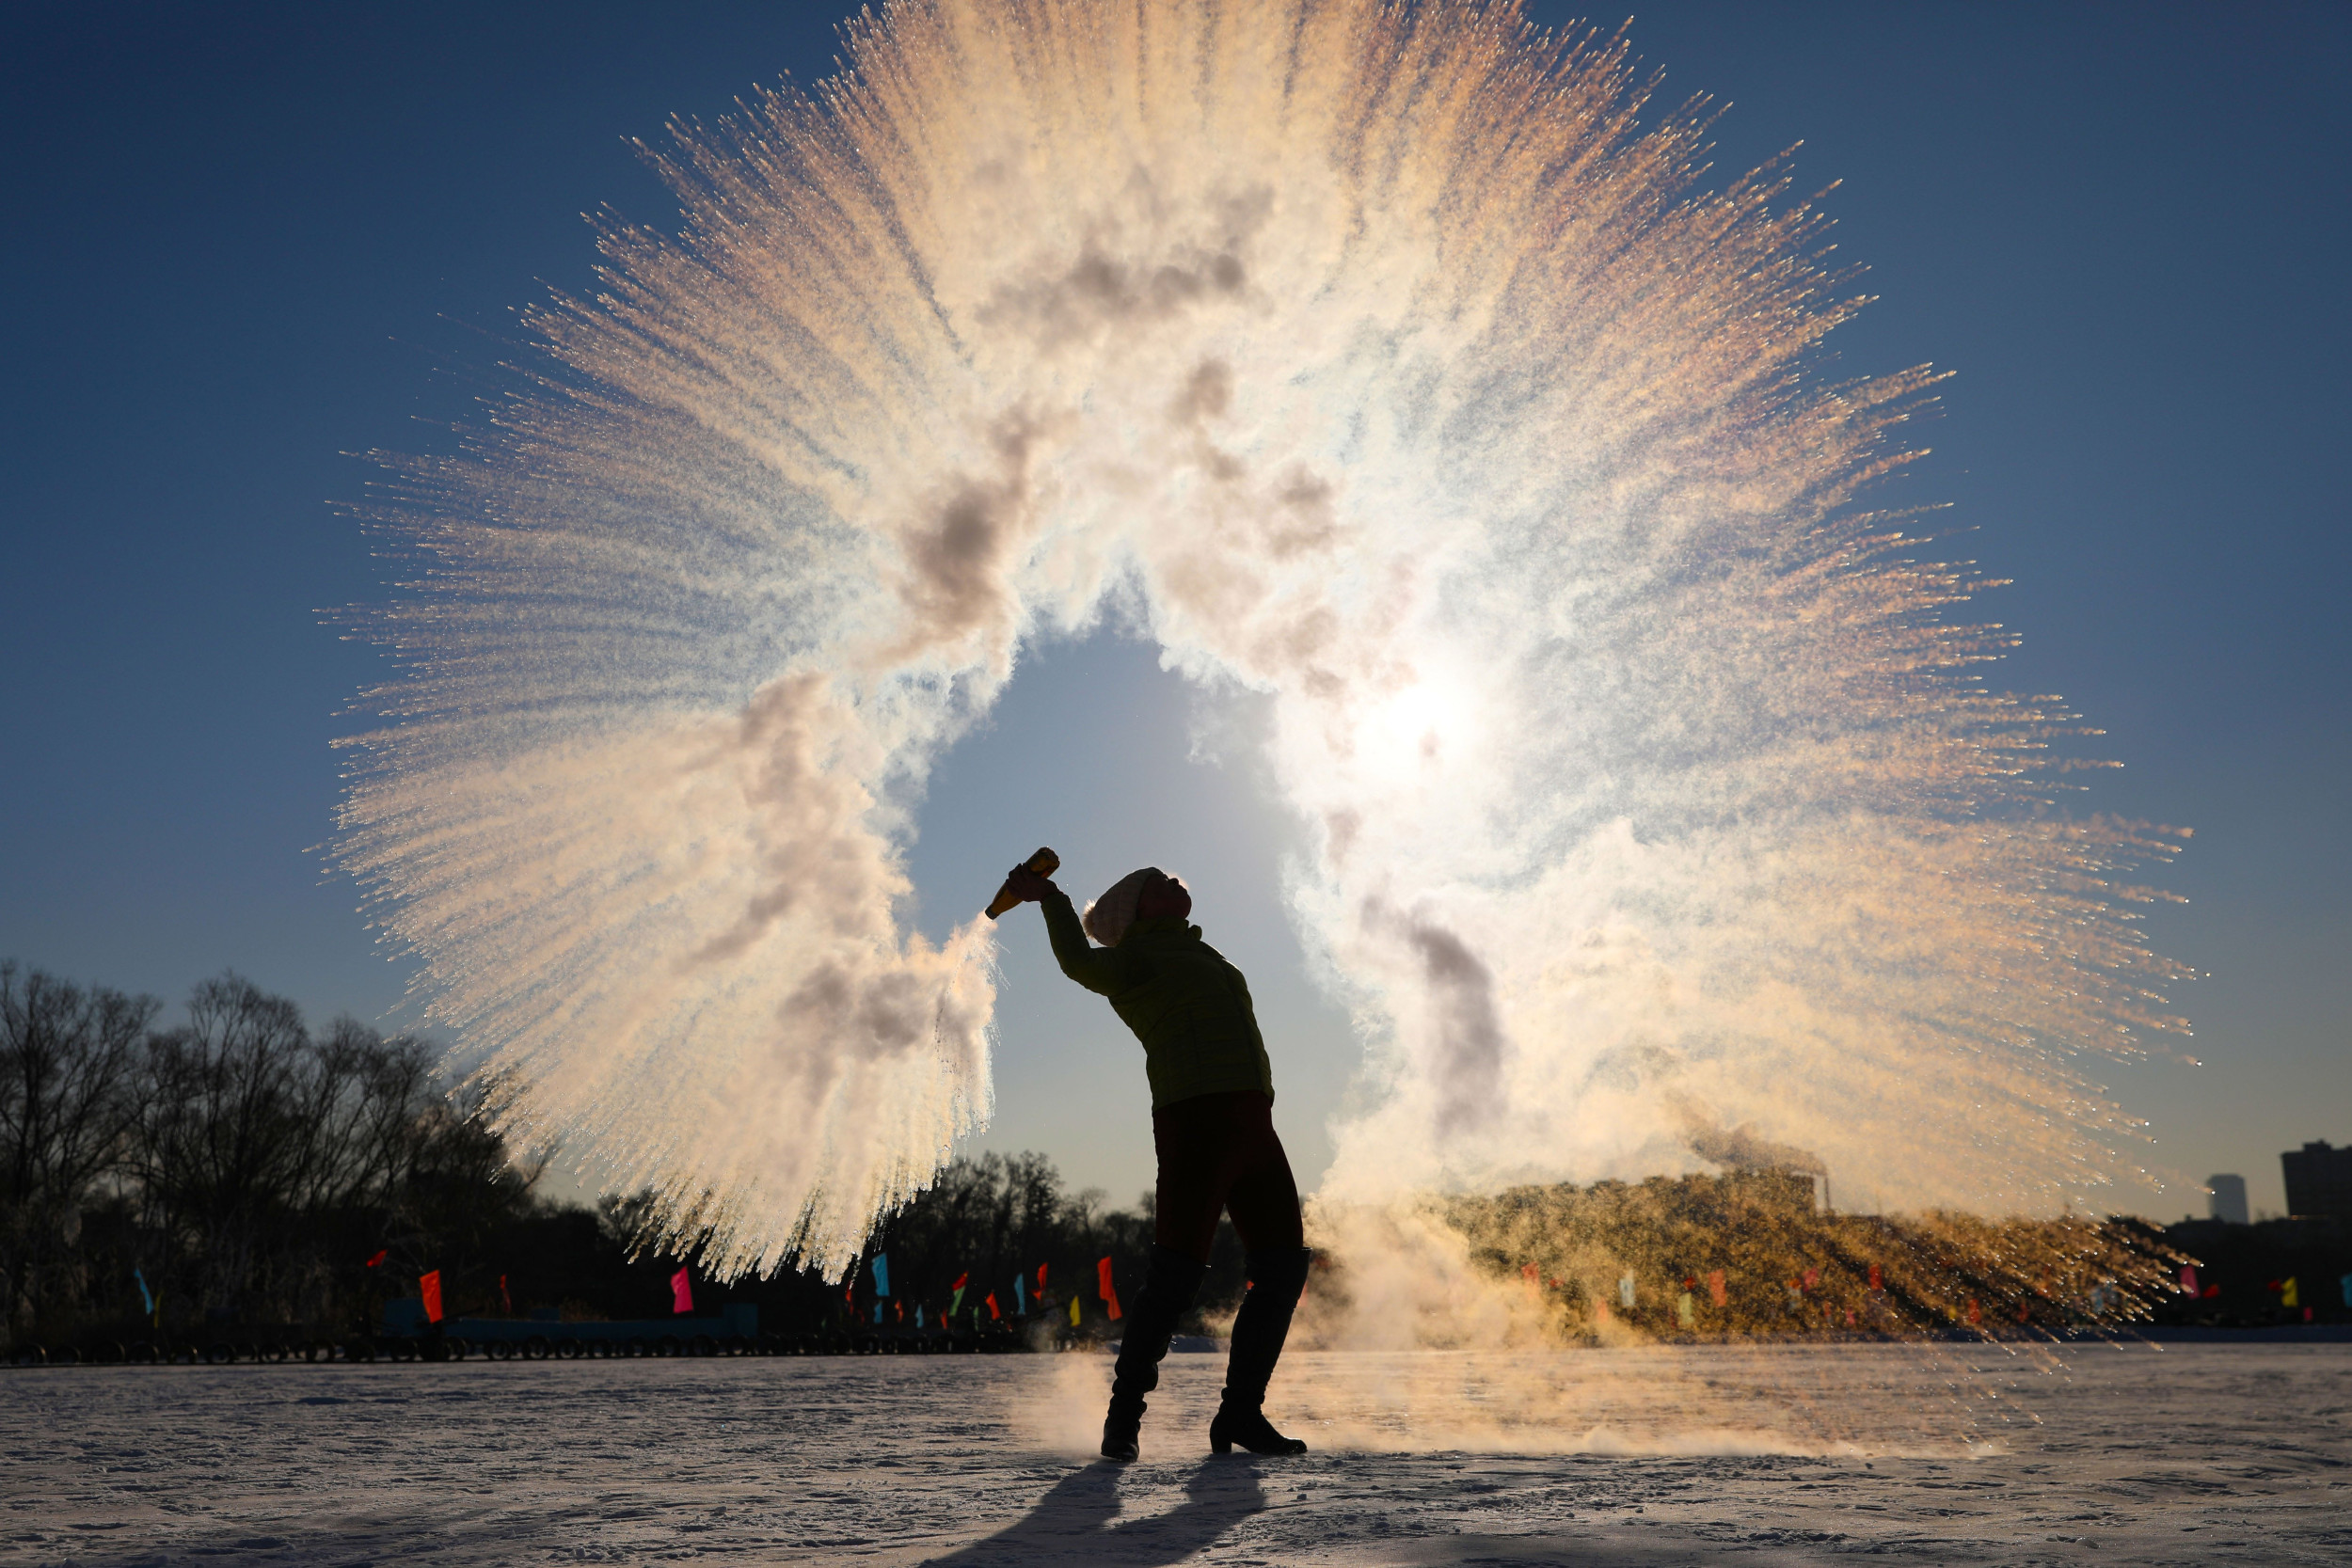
{"points": [[1276, 1279], [1168, 1293]]}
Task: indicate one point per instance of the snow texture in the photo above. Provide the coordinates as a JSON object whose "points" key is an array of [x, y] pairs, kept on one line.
{"points": [[2121, 1454]]}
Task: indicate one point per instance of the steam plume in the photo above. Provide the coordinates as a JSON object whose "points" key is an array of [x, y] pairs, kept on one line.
{"points": [[1396, 369]]}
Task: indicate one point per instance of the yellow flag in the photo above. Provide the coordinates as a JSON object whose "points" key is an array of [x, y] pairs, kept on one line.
{"points": [[1074, 1311], [2287, 1296]]}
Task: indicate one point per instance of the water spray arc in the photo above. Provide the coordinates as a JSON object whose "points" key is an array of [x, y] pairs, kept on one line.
{"points": [[1387, 360]]}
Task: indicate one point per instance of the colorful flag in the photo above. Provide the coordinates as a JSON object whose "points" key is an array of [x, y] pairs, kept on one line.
{"points": [[1625, 1291], [504, 1296], [379, 1257], [1074, 1311], [1109, 1292], [1715, 1291], [1020, 1295], [2288, 1295], [881, 1274], [957, 1306], [681, 1291], [429, 1287], [145, 1294], [994, 1315]]}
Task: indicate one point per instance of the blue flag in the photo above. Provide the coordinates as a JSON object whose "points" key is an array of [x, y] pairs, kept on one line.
{"points": [[881, 1274], [1021, 1295], [918, 1316], [149, 1296]]}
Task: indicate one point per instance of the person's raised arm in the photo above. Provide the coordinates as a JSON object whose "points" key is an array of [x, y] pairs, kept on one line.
{"points": [[1101, 970]]}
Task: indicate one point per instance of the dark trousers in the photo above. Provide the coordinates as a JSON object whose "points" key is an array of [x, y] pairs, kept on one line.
{"points": [[1218, 1154]]}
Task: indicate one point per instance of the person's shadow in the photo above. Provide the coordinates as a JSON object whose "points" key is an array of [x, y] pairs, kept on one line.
{"points": [[1073, 1522]]}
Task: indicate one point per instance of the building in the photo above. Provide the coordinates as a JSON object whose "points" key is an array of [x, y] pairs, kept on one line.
{"points": [[2226, 1201], [2319, 1181]]}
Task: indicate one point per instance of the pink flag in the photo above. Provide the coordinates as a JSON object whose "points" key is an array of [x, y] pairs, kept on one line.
{"points": [[2188, 1279], [681, 1291]]}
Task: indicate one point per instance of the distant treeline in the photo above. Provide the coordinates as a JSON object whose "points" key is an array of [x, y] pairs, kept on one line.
{"points": [[240, 1171], [1748, 1253]]}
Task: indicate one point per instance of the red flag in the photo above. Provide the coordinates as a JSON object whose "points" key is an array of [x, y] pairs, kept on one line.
{"points": [[504, 1297], [899, 1307], [1533, 1275], [1109, 1291], [1041, 1279], [1715, 1290], [429, 1287], [1876, 1283], [379, 1257], [1975, 1313], [994, 1312], [681, 1291], [1812, 1278], [960, 1279]]}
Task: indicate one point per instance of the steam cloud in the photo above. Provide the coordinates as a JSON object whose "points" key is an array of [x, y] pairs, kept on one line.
{"points": [[1392, 368]]}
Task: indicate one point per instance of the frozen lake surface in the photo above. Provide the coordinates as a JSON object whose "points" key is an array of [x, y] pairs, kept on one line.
{"points": [[2118, 1455]]}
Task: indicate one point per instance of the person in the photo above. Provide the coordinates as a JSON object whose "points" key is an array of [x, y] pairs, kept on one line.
{"points": [[1213, 1130]]}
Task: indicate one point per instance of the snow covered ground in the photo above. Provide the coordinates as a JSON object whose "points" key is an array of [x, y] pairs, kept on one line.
{"points": [[2186, 1453]]}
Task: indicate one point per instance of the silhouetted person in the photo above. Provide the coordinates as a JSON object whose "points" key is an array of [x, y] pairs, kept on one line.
{"points": [[1213, 1129]]}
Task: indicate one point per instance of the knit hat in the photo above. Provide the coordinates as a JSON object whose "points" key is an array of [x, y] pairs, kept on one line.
{"points": [[1108, 918]]}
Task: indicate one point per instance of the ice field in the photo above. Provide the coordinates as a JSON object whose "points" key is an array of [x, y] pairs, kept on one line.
{"points": [[2194, 1453]]}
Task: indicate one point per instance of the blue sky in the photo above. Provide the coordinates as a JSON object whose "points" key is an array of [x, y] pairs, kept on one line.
{"points": [[250, 240]]}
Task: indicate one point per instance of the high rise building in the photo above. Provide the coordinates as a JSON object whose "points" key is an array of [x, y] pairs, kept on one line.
{"points": [[2228, 1200], [2319, 1181]]}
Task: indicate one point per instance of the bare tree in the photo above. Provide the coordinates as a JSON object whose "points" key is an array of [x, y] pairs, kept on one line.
{"points": [[67, 1060]]}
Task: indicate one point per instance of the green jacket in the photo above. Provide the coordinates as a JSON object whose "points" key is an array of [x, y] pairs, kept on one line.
{"points": [[1188, 1006]]}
